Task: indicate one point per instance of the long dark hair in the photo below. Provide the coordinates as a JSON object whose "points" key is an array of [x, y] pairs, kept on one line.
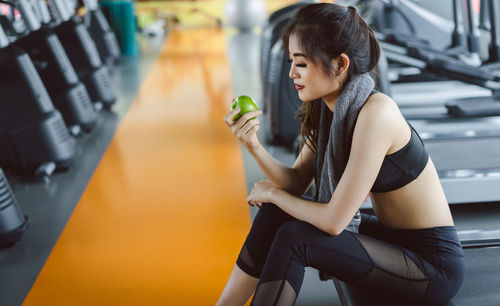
{"points": [[324, 31]]}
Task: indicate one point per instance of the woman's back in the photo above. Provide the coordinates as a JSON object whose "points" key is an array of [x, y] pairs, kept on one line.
{"points": [[419, 204]]}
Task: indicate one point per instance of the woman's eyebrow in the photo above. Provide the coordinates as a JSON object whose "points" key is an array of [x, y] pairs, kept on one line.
{"points": [[299, 54]]}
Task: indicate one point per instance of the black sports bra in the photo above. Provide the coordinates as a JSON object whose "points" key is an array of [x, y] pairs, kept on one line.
{"points": [[403, 166]]}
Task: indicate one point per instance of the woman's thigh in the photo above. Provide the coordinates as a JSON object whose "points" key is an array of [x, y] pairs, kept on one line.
{"points": [[266, 223], [371, 264]]}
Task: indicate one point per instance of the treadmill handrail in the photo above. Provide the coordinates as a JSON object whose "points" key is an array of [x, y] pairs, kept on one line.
{"points": [[28, 15], [494, 50], [69, 7], [44, 11], [443, 65], [4, 41], [90, 5], [60, 10]]}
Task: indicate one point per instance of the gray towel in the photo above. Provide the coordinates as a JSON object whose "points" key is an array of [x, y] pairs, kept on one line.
{"points": [[331, 159]]}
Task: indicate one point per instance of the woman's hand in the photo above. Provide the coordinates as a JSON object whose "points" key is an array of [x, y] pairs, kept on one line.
{"points": [[245, 129], [262, 192]]}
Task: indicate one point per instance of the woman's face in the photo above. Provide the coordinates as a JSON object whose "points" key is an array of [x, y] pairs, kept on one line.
{"points": [[310, 80]]}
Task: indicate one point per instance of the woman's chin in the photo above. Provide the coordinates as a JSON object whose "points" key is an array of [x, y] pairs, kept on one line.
{"points": [[305, 98]]}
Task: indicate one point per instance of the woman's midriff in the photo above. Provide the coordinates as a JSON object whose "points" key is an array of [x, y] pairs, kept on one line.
{"points": [[419, 204]]}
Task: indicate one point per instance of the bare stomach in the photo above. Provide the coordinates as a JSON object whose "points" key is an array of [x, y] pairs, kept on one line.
{"points": [[419, 204]]}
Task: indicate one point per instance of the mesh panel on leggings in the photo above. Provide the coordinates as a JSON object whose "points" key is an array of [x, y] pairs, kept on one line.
{"points": [[394, 271], [245, 257], [275, 293]]}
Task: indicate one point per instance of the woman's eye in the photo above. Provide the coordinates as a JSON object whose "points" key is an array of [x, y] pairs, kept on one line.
{"points": [[298, 65]]}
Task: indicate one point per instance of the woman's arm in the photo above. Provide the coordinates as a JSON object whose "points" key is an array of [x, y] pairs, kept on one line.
{"points": [[373, 136], [295, 179]]}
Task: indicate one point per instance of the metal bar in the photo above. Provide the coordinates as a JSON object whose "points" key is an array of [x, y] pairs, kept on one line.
{"points": [[91, 5], [60, 10], [44, 11], [70, 8], [28, 15], [479, 238], [473, 35], [495, 31], [4, 41]]}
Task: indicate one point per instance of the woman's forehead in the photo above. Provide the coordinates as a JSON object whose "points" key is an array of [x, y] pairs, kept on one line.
{"points": [[294, 46]]}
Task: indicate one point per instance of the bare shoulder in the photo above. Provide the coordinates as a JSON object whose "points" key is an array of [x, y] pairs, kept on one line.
{"points": [[380, 112], [380, 117], [380, 104]]}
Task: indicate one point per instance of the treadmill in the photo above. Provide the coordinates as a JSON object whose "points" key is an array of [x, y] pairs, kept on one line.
{"points": [[33, 136], [465, 149], [84, 55], [101, 33], [60, 79], [12, 221]]}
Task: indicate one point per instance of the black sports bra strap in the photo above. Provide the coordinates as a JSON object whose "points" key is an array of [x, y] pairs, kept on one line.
{"points": [[413, 130]]}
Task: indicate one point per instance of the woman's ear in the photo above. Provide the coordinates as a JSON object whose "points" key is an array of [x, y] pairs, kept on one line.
{"points": [[342, 63]]}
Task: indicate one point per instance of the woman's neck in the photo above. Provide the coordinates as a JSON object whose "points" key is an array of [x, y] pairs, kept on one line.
{"points": [[330, 100]]}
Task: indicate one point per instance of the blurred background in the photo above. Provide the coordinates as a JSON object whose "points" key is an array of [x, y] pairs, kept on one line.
{"points": [[120, 183]]}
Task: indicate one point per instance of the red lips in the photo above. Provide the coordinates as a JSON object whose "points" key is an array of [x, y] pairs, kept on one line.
{"points": [[298, 87]]}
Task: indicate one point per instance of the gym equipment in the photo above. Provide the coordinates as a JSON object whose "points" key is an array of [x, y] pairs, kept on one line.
{"points": [[450, 68], [12, 221], [244, 14], [481, 106], [4, 41], [489, 13], [459, 61], [271, 32], [407, 23], [101, 32], [33, 136], [84, 56], [68, 94], [281, 100]]}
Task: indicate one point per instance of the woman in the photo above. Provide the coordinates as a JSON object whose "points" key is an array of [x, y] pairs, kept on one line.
{"points": [[356, 142]]}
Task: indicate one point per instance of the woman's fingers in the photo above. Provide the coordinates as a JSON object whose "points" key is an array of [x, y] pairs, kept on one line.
{"points": [[247, 127], [246, 118], [254, 129], [255, 204], [228, 118]]}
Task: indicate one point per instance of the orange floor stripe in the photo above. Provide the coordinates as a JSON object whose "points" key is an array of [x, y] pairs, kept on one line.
{"points": [[164, 216]]}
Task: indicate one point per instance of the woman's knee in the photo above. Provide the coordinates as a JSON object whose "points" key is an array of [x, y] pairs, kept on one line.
{"points": [[269, 210], [293, 233], [271, 217]]}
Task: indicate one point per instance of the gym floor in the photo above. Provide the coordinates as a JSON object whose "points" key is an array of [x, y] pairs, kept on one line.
{"points": [[153, 212]]}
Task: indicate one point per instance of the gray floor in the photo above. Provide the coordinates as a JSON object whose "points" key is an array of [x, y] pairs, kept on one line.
{"points": [[50, 204]]}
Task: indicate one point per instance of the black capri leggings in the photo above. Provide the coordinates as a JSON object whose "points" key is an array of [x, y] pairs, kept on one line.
{"points": [[424, 266]]}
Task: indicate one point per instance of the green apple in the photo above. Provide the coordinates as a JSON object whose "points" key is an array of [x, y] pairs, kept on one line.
{"points": [[246, 104]]}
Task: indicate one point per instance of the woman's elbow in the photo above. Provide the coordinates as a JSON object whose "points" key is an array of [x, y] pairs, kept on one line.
{"points": [[335, 225], [333, 230]]}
